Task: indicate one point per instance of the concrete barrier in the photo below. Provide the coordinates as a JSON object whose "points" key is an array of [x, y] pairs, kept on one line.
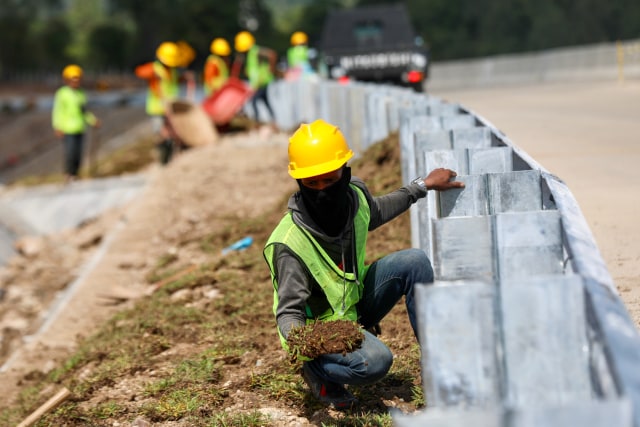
{"points": [[605, 61], [518, 273]]}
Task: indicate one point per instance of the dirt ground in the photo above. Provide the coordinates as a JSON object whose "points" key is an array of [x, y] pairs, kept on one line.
{"points": [[587, 135], [106, 260]]}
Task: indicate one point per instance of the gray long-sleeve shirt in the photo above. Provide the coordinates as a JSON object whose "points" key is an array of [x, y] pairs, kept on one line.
{"points": [[297, 289]]}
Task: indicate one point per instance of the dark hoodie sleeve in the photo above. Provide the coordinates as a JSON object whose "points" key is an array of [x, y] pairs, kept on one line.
{"points": [[293, 290], [387, 207]]}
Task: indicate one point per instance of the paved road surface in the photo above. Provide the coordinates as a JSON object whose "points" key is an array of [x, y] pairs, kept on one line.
{"points": [[587, 134]]}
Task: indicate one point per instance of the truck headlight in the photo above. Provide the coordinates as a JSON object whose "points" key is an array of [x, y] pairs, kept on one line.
{"points": [[418, 60]]}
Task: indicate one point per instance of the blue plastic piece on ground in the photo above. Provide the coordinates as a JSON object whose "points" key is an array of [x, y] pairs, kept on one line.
{"points": [[240, 245]]}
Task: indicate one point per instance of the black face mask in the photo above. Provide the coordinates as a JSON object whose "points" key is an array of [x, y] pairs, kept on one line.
{"points": [[329, 207]]}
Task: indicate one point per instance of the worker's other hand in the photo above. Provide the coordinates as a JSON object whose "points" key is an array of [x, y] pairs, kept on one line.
{"points": [[97, 124], [442, 179], [59, 133]]}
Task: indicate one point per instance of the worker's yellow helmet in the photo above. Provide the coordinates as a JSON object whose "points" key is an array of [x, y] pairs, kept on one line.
{"points": [[299, 38], [169, 54], [317, 148], [72, 71], [187, 53], [244, 41], [220, 46]]}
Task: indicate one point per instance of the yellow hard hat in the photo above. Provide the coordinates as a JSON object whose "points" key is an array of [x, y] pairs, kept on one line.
{"points": [[220, 46], [317, 148], [72, 71], [187, 53], [299, 38], [244, 41], [169, 54]]}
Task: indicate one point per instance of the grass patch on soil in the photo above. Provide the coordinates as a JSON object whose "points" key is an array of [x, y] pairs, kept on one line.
{"points": [[202, 350]]}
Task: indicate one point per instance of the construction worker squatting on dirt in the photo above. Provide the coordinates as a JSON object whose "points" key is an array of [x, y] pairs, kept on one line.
{"points": [[316, 256], [69, 118]]}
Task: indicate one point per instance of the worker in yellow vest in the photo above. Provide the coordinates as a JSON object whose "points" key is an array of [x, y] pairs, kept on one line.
{"points": [[316, 257], [216, 68], [163, 87], [259, 67], [69, 118], [298, 56]]}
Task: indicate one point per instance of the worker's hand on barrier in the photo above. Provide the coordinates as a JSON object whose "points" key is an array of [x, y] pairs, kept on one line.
{"points": [[442, 179]]}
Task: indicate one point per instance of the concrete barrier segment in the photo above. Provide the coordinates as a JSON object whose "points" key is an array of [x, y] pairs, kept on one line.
{"points": [[457, 335]]}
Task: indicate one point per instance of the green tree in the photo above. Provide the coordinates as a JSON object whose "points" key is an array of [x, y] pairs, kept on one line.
{"points": [[109, 47], [52, 38]]}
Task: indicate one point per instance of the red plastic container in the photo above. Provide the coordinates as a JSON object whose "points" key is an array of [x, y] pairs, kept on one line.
{"points": [[226, 102]]}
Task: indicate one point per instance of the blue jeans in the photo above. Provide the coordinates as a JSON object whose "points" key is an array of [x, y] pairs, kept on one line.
{"points": [[261, 95], [387, 281]]}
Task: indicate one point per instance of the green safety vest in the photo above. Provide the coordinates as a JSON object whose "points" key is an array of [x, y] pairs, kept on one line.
{"points": [[298, 56], [168, 89], [69, 113], [342, 298], [258, 71]]}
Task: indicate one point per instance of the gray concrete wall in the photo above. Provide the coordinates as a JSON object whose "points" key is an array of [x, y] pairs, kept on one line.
{"points": [[606, 61]]}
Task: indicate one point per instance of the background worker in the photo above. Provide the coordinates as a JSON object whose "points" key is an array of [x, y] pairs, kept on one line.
{"points": [[216, 67], [316, 256], [69, 118], [298, 56], [259, 67], [163, 87]]}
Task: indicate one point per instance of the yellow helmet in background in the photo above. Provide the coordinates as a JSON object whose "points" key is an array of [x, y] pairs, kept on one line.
{"points": [[298, 38], [220, 46], [317, 148], [187, 53], [169, 54], [72, 71], [244, 41]]}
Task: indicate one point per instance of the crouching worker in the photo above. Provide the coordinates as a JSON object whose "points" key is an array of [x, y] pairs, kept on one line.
{"points": [[316, 256]]}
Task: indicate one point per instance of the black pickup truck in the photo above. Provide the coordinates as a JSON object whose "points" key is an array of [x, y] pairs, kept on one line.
{"points": [[374, 44]]}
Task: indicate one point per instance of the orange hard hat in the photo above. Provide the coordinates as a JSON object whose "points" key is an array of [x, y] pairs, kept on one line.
{"points": [[317, 148]]}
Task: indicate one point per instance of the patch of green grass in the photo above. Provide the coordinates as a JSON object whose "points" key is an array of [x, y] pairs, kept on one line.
{"points": [[106, 410], [238, 419], [175, 404], [278, 386], [367, 419]]}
